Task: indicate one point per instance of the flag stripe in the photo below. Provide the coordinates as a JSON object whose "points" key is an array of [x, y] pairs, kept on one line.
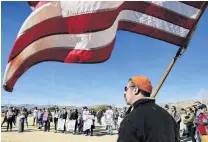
{"points": [[21, 63], [179, 8], [48, 11], [32, 3], [151, 32], [87, 23], [196, 4]]}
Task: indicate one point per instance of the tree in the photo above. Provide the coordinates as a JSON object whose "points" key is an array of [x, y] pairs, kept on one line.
{"points": [[100, 107]]}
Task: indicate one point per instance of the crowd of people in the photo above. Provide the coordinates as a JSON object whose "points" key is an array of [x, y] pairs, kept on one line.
{"points": [[191, 121], [66, 120]]}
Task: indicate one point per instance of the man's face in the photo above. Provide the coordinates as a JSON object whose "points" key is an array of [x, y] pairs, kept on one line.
{"points": [[129, 93]]}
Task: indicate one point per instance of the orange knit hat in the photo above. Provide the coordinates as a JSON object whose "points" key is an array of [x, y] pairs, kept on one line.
{"points": [[143, 83]]}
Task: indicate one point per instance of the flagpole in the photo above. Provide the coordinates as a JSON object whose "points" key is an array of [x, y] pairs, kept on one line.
{"points": [[180, 51], [167, 71]]}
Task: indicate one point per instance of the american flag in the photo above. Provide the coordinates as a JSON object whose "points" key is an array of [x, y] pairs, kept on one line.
{"points": [[85, 31]]}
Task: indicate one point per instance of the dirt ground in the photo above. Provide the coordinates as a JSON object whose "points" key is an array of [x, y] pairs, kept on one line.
{"points": [[32, 134]]}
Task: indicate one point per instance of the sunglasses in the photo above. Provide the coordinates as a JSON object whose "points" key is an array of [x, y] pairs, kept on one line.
{"points": [[126, 88]]}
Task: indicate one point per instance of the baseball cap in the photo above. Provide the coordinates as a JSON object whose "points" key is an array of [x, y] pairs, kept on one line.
{"points": [[202, 106], [143, 83]]}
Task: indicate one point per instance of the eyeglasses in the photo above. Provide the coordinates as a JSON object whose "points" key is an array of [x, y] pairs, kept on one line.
{"points": [[126, 88]]}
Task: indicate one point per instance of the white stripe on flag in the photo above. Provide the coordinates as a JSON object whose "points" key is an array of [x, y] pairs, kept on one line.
{"points": [[84, 7], [43, 13], [151, 21], [178, 7]]}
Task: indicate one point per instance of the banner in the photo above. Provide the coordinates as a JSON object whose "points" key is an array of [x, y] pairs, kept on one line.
{"points": [[70, 125], [61, 123]]}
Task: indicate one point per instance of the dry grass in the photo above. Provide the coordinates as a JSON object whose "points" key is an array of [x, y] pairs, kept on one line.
{"points": [[32, 134]]}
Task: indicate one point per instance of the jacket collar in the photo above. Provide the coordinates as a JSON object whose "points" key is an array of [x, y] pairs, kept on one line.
{"points": [[140, 102], [143, 101]]}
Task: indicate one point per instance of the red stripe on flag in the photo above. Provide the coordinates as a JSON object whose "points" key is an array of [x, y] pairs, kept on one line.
{"points": [[89, 23], [59, 54], [37, 4], [151, 32], [32, 3]]}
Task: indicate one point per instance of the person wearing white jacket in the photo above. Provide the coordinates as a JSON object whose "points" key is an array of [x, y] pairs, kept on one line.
{"points": [[109, 120]]}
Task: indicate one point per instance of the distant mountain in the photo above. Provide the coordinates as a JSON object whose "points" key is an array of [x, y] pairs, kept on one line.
{"points": [[185, 103], [180, 104]]}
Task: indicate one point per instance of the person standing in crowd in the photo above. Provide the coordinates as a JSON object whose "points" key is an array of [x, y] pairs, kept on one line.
{"points": [[176, 116], [47, 116], [5, 117], [22, 120], [196, 115], [109, 120], [64, 116], [183, 128], [35, 116], [26, 116], [80, 123], [9, 115], [146, 122], [189, 123], [85, 119], [89, 126], [74, 116], [120, 118], [55, 118], [115, 118], [99, 115], [197, 110], [40, 119], [14, 118], [202, 123], [197, 104]]}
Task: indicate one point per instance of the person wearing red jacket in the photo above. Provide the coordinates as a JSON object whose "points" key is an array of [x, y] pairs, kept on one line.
{"points": [[202, 123]]}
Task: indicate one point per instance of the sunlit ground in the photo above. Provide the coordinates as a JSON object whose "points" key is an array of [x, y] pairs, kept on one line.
{"points": [[32, 134]]}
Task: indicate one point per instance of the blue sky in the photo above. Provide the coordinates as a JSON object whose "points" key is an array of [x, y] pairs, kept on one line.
{"points": [[77, 84]]}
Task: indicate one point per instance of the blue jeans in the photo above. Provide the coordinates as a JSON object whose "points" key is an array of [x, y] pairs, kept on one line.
{"points": [[110, 130]]}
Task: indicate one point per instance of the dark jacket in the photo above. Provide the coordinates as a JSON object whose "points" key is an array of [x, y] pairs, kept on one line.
{"points": [[63, 115], [148, 122], [74, 116]]}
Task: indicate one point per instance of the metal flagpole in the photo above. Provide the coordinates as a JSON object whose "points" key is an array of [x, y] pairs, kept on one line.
{"points": [[180, 51]]}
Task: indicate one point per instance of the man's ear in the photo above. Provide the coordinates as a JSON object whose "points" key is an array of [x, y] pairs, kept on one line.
{"points": [[136, 90]]}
